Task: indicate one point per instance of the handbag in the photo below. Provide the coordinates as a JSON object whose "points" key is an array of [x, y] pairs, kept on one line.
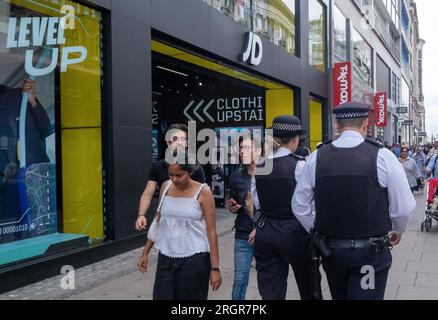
{"points": [[153, 229]]}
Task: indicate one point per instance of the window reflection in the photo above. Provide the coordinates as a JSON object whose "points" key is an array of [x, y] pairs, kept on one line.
{"points": [[362, 68], [317, 34], [340, 27], [273, 19]]}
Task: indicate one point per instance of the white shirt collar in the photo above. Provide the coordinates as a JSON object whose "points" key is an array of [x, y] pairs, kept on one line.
{"points": [[281, 152], [349, 139]]}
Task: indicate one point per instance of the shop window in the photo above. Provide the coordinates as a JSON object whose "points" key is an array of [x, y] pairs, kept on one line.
{"points": [[51, 143], [317, 34], [273, 19], [340, 27], [187, 87], [238, 10], [276, 20], [362, 63]]}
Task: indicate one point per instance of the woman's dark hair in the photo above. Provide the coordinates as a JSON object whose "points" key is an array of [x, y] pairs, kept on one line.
{"points": [[179, 126], [184, 163], [404, 148]]}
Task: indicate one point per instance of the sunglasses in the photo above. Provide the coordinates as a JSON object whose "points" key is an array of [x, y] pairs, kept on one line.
{"points": [[176, 139]]}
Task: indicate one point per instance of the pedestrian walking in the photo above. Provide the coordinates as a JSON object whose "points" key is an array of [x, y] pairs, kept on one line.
{"points": [[242, 204], [186, 239], [177, 138], [281, 241], [353, 195], [411, 169], [420, 160]]}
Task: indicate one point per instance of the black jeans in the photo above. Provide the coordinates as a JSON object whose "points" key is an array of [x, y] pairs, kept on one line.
{"points": [[182, 278]]}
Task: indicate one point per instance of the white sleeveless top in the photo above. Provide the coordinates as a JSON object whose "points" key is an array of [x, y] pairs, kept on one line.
{"points": [[182, 230]]}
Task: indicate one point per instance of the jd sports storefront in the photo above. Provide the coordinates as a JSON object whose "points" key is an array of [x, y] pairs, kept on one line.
{"points": [[116, 79], [188, 87]]}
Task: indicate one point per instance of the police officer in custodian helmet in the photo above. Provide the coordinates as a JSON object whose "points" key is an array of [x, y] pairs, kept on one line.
{"points": [[281, 240], [363, 203]]}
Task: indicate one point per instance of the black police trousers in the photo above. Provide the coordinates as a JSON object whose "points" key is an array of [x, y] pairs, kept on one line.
{"points": [[280, 243], [352, 275]]}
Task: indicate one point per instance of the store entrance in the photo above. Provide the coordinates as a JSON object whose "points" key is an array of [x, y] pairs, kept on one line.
{"points": [[190, 88]]}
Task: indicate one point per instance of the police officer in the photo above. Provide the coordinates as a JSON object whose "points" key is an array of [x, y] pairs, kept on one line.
{"points": [[363, 204], [281, 240]]}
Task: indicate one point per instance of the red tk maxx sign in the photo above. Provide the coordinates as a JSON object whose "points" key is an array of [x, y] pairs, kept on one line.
{"points": [[381, 109], [342, 84]]}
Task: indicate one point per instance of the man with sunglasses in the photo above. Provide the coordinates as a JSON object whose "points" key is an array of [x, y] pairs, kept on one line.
{"points": [[158, 173], [241, 204]]}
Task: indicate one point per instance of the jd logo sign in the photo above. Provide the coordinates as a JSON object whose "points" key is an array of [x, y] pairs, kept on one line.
{"points": [[253, 51]]}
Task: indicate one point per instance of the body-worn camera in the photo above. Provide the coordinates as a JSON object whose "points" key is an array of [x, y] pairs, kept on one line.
{"points": [[377, 246]]}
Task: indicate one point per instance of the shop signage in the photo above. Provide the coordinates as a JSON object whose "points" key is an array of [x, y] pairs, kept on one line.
{"points": [[422, 134], [381, 109], [253, 51], [29, 32], [342, 83], [224, 110], [408, 122], [402, 110]]}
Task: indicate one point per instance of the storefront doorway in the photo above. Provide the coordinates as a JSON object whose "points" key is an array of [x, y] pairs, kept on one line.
{"points": [[187, 87]]}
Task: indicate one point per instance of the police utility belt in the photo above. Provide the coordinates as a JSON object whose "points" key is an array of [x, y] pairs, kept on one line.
{"points": [[373, 246], [272, 216]]}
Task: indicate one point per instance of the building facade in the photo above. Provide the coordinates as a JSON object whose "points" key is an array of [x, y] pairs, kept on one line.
{"points": [[384, 47], [417, 97], [111, 77]]}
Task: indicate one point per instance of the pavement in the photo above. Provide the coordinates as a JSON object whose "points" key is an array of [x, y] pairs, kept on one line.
{"points": [[413, 276]]}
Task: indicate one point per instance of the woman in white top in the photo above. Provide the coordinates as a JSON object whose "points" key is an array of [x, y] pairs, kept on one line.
{"points": [[186, 240]]}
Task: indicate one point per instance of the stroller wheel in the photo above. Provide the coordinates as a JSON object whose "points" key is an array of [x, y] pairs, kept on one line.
{"points": [[429, 223]]}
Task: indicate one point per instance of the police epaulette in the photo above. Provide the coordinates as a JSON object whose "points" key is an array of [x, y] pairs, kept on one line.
{"points": [[375, 142], [299, 158], [324, 144]]}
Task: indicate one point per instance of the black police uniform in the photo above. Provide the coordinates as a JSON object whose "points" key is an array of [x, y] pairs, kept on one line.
{"points": [[281, 240], [353, 229]]}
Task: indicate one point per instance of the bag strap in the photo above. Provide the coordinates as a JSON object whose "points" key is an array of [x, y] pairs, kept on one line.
{"points": [[166, 189], [199, 191]]}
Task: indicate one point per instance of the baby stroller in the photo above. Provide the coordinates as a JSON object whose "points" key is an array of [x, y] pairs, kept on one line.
{"points": [[431, 212]]}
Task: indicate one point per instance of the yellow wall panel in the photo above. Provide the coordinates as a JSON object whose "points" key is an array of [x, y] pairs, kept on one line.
{"points": [[82, 181], [315, 123], [278, 102]]}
